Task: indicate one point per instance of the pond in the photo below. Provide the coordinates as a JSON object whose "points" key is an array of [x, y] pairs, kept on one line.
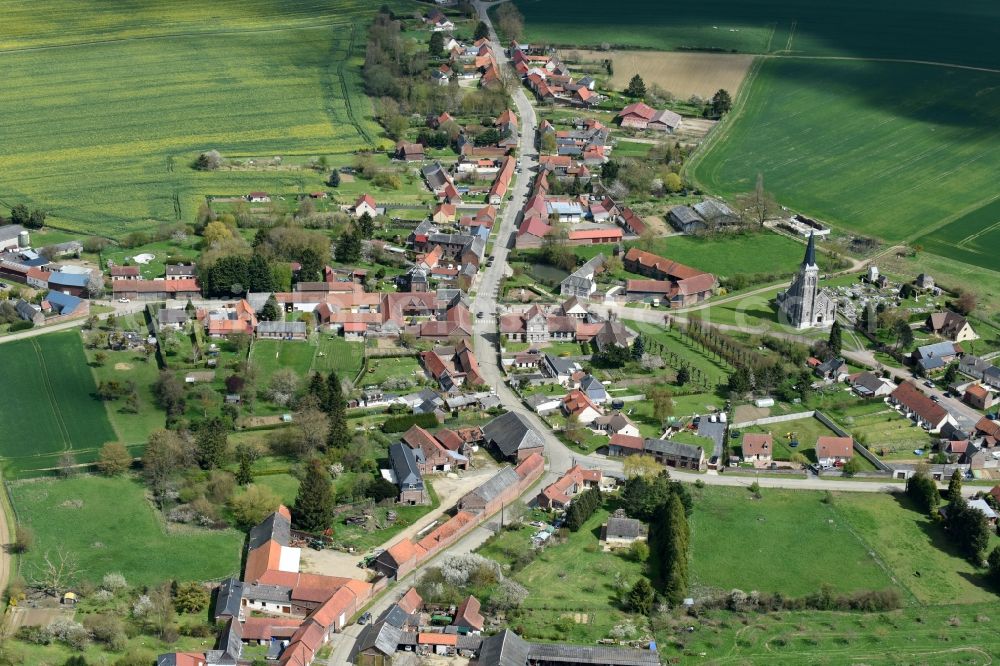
{"points": [[547, 274]]}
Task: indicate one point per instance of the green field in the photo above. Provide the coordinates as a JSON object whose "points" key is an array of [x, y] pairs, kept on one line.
{"points": [[921, 29], [885, 149], [972, 238], [105, 107], [108, 525], [765, 558], [47, 404]]}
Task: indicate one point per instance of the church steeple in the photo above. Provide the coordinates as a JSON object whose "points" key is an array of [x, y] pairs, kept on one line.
{"points": [[810, 259]]}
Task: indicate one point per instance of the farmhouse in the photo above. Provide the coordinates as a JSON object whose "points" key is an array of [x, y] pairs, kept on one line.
{"points": [[409, 152], [581, 282], [181, 271], [832, 451], [915, 405], [405, 473], [156, 290], [616, 423], [640, 116], [453, 367], [577, 405], [978, 396], [365, 204], [625, 445], [674, 454], [124, 273], [681, 285], [225, 320], [282, 330]]}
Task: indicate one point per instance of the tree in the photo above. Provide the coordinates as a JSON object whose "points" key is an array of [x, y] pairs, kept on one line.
{"points": [[253, 505], [851, 467], [283, 386], [114, 459], [548, 143], [640, 597], [163, 456], [56, 572], [366, 225], [923, 491], [270, 311], [636, 87], [640, 465], [609, 171], [482, 31], [212, 443], [169, 393], [739, 381], [835, 341], [339, 435], [246, 456], [334, 179], [965, 303], [100, 358], [436, 44], [904, 333], [259, 275], [216, 233], [968, 528], [19, 215], [671, 542], [311, 265], [683, 375], [757, 207], [313, 426], [955, 487], [663, 403], [24, 539], [993, 563], [313, 508], [638, 348], [348, 247], [191, 597], [950, 374], [722, 102]]}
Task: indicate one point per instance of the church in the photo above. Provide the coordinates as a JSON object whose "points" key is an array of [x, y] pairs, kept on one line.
{"points": [[804, 304]]}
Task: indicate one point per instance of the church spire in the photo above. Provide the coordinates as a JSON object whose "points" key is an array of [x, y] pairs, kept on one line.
{"points": [[810, 259]]}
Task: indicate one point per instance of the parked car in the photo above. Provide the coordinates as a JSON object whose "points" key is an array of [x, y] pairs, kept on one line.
{"points": [[365, 618], [929, 384], [124, 300]]}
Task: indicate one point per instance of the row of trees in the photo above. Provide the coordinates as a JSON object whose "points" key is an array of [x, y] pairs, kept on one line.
{"points": [[583, 507]]}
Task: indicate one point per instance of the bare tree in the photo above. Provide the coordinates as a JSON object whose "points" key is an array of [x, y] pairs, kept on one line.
{"points": [[313, 425], [757, 207], [56, 572]]}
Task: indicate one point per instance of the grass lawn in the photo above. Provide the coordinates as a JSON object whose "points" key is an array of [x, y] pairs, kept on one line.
{"points": [[284, 486], [335, 353], [740, 542], [364, 539], [132, 429], [914, 635], [632, 149], [108, 525], [679, 350], [805, 431], [271, 355], [888, 433], [931, 138], [572, 580], [381, 369], [47, 403], [908, 542], [107, 110]]}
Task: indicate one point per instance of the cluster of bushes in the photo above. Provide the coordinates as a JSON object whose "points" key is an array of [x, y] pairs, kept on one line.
{"points": [[403, 423], [868, 601], [458, 576], [583, 507]]}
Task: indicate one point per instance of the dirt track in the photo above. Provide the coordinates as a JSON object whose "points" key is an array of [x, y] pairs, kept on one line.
{"points": [[5, 541]]}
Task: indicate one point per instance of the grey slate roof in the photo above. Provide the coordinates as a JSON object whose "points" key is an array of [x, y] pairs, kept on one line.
{"points": [[282, 327], [503, 649], [404, 465], [173, 316], [667, 447], [25, 310], [273, 593], [497, 484], [229, 598], [587, 654], [275, 527], [623, 528], [379, 635], [511, 433], [229, 647]]}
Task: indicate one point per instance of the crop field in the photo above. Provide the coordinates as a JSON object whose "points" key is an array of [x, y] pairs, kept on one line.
{"points": [[973, 238], [47, 403], [921, 29], [105, 108], [108, 525], [682, 74], [884, 149]]}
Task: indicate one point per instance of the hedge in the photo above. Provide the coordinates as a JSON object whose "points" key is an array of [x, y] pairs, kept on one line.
{"points": [[403, 423]]}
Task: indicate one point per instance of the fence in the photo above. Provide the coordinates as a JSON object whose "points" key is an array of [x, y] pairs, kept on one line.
{"points": [[774, 419]]}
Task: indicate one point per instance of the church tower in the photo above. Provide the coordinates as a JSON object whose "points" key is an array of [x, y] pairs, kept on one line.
{"points": [[804, 305]]}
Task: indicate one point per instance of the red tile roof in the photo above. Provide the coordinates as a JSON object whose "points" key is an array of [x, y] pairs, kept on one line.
{"points": [[834, 447], [908, 395], [756, 444], [589, 234], [627, 442]]}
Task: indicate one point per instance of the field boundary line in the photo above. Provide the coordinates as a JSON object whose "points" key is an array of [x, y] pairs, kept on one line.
{"points": [[902, 61], [211, 33], [944, 222], [64, 431]]}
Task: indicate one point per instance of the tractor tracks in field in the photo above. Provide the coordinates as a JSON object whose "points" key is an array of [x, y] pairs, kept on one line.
{"points": [[47, 382], [341, 86]]}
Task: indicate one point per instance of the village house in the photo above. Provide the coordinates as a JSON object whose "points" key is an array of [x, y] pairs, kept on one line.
{"points": [[616, 423], [227, 319], [181, 271], [282, 330], [453, 367], [869, 385], [935, 357], [365, 205], [951, 326], [124, 273], [621, 446], [577, 405], [979, 397], [409, 152], [674, 454], [156, 290], [831, 451], [915, 405], [404, 471], [685, 285], [758, 447], [980, 369], [430, 454], [581, 283], [559, 494], [621, 531]]}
